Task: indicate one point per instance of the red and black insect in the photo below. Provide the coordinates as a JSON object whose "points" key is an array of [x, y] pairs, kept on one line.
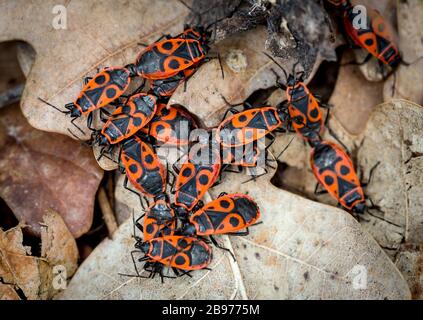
{"points": [[228, 214], [302, 108], [142, 168], [248, 126], [178, 252], [300, 112], [200, 172], [334, 170], [377, 38], [171, 125], [166, 58], [104, 88], [127, 120]]}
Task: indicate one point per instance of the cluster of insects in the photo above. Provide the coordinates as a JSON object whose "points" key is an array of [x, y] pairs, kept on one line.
{"points": [[177, 233]]}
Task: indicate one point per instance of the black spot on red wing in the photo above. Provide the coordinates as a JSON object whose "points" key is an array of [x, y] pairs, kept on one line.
{"points": [[160, 128], [204, 179], [182, 243], [100, 79], [186, 172], [133, 168], [234, 222], [149, 158], [137, 122], [369, 42], [110, 93], [225, 204], [345, 170], [329, 180], [180, 260], [174, 64], [165, 111], [167, 45], [314, 113], [242, 118], [149, 229]]}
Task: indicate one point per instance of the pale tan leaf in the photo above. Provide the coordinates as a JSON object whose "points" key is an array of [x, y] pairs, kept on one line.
{"points": [[393, 136], [105, 34]]}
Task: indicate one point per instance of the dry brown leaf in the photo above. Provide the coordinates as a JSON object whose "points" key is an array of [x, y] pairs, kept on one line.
{"points": [[393, 136], [8, 293], [39, 171], [96, 36], [354, 98], [18, 268], [407, 84], [58, 246], [33, 275]]}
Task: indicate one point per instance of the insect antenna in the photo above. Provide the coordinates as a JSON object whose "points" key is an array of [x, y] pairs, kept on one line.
{"points": [[278, 64], [53, 106], [286, 148]]}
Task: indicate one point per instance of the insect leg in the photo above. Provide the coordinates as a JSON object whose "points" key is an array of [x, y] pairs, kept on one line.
{"points": [[318, 192], [125, 185], [74, 124], [213, 240]]}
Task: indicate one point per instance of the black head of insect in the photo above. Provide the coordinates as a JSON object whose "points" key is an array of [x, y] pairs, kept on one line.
{"points": [[359, 208], [73, 110], [143, 246], [98, 138], [180, 212]]}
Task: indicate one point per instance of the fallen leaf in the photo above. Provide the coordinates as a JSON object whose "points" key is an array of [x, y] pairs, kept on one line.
{"points": [[308, 250], [351, 100], [393, 136], [35, 276], [94, 37], [19, 268], [40, 171], [8, 293], [58, 246], [408, 79]]}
